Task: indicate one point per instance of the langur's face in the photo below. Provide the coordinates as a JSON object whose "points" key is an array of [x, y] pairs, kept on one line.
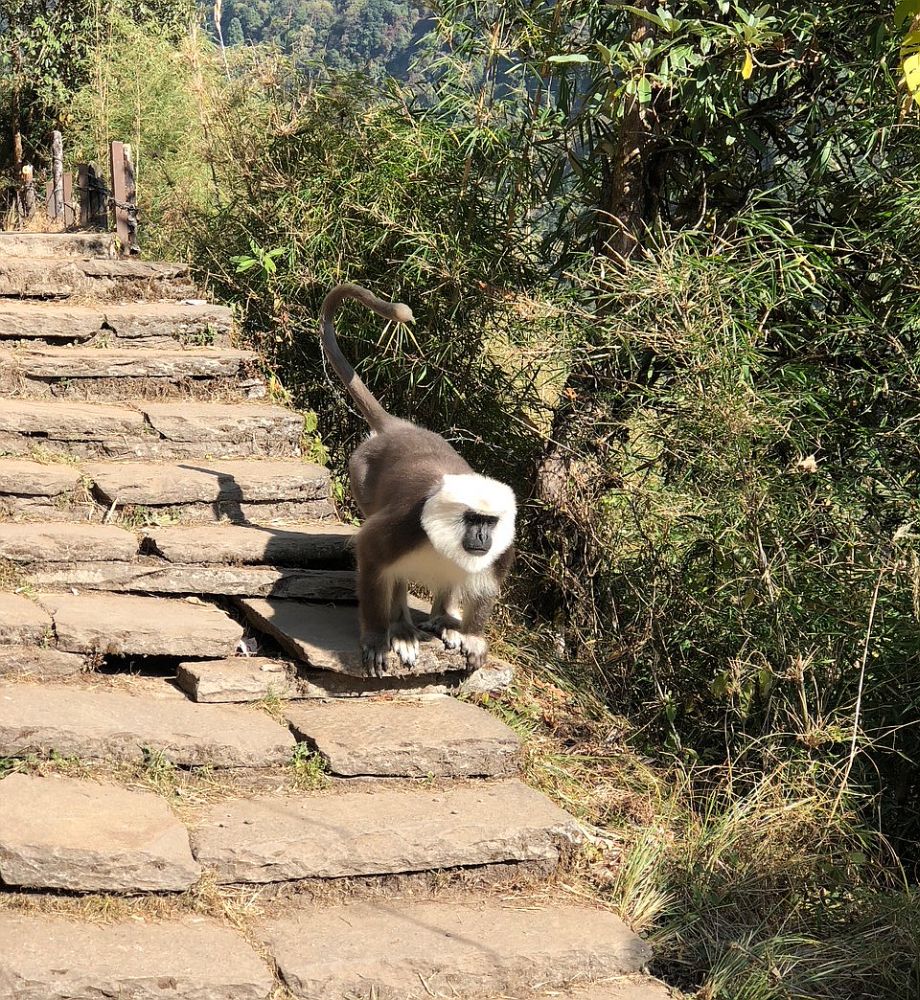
{"points": [[477, 532]]}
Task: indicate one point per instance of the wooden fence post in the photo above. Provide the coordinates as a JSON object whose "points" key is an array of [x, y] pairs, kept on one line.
{"points": [[130, 197], [27, 192], [56, 208], [119, 196]]}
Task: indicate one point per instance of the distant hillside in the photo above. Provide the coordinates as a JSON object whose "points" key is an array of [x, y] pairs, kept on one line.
{"points": [[367, 35]]}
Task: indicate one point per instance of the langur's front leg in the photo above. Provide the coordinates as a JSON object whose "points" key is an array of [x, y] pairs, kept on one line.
{"points": [[473, 642], [404, 636], [444, 621], [374, 603]]}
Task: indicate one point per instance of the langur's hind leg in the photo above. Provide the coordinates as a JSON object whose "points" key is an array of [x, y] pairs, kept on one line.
{"points": [[444, 620], [404, 636], [374, 609]]}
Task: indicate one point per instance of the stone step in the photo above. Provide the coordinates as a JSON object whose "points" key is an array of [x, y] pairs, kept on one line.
{"points": [[39, 662], [326, 637], [82, 836], [28, 543], [123, 625], [24, 622], [39, 490], [99, 724], [148, 430], [100, 278], [13, 244], [128, 373], [134, 324], [207, 491], [413, 950], [104, 557], [252, 678], [382, 831], [293, 545], [406, 738], [195, 958], [154, 576]]}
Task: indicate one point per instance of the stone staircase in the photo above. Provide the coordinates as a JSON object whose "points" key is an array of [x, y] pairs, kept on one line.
{"points": [[178, 819]]}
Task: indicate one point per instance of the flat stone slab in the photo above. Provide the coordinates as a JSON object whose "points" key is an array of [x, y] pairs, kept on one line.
{"points": [[326, 637], [52, 958], [145, 323], [97, 363], [237, 679], [156, 321], [226, 483], [54, 543], [297, 545], [38, 661], [21, 477], [69, 421], [48, 321], [23, 621], [61, 277], [190, 421], [242, 679], [120, 624], [14, 244], [96, 724], [379, 832], [438, 736], [59, 833], [405, 950], [154, 576]]}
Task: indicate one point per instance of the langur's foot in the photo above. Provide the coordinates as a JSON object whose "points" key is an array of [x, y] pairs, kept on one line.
{"points": [[446, 628], [375, 648], [404, 643], [476, 649]]}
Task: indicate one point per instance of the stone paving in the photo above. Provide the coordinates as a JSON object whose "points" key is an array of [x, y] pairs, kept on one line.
{"points": [[169, 803]]}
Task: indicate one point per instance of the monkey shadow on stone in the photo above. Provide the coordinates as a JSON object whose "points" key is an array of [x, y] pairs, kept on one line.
{"points": [[318, 633]]}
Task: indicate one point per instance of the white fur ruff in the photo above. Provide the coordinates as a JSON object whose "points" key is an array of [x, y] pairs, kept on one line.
{"points": [[442, 518]]}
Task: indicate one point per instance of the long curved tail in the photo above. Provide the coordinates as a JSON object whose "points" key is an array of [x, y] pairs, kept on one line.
{"points": [[375, 415]]}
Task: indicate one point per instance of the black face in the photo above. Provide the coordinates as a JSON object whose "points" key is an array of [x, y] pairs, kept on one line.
{"points": [[477, 532]]}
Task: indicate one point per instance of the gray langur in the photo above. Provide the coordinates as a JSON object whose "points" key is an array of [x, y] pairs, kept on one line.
{"points": [[429, 519]]}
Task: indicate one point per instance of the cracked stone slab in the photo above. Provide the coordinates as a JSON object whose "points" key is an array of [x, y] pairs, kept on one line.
{"points": [[326, 637], [21, 477], [97, 724], [107, 363], [408, 950], [153, 576], [14, 244], [292, 545], [119, 625], [237, 679], [225, 483], [53, 958], [160, 321], [82, 836], [241, 679], [379, 832], [60, 277], [38, 661], [193, 422], [69, 421], [412, 738], [23, 621], [48, 321], [54, 543]]}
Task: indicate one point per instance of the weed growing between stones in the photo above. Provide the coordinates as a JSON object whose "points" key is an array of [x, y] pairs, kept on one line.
{"points": [[308, 769]]}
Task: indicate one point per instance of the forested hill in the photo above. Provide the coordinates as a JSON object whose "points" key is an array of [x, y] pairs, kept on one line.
{"points": [[337, 35]]}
